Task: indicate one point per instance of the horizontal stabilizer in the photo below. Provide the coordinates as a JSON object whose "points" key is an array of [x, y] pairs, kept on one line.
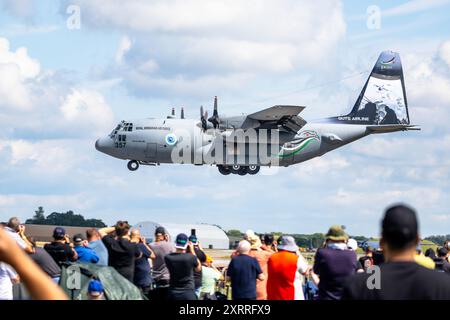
{"points": [[392, 128]]}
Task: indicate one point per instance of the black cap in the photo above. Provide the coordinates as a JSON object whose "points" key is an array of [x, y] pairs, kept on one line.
{"points": [[78, 238], [160, 230], [400, 227], [181, 242]]}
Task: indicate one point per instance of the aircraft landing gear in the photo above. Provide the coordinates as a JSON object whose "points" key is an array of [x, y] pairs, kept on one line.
{"points": [[253, 169], [237, 169], [133, 165], [225, 170]]}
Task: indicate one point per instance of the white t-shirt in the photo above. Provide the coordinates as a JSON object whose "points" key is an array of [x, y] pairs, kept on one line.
{"points": [[7, 274], [16, 237]]}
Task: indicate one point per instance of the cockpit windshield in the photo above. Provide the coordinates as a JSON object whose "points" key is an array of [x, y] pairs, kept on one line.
{"points": [[123, 126]]}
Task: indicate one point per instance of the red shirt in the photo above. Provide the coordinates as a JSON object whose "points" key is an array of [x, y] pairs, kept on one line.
{"points": [[284, 277]]}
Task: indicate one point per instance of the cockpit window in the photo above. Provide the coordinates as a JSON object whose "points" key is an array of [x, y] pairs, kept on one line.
{"points": [[128, 127]]}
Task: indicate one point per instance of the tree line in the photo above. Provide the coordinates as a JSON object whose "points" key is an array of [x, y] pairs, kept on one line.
{"points": [[68, 218]]}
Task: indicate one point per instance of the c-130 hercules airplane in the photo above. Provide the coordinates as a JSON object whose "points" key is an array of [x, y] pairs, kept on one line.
{"points": [[276, 136]]}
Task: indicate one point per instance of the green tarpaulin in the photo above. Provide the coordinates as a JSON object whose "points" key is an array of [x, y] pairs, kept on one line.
{"points": [[75, 280]]}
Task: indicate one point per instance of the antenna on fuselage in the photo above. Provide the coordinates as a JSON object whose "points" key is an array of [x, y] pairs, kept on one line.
{"points": [[182, 113]]}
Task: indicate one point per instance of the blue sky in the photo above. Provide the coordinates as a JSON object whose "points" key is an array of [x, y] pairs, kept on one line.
{"points": [[61, 89]]}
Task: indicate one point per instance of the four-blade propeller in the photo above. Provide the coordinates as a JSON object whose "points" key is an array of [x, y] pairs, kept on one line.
{"points": [[214, 119]]}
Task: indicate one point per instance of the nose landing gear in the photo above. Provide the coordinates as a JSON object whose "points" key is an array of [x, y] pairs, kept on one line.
{"points": [[238, 169], [133, 165]]}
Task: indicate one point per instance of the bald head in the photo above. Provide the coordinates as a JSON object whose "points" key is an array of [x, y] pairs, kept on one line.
{"points": [[135, 234], [244, 247]]}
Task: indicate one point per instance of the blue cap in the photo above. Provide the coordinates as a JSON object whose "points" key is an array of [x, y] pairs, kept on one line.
{"points": [[95, 286], [59, 232], [181, 241]]}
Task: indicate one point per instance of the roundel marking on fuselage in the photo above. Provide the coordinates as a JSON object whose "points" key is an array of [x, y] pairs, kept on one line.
{"points": [[171, 139]]}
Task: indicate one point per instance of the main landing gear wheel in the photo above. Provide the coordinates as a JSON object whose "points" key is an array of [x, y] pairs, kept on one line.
{"points": [[225, 170], [235, 169], [253, 169], [133, 165]]}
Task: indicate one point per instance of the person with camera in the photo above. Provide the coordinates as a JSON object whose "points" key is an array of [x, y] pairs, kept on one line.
{"points": [[142, 270], [17, 232], [181, 266], [60, 249], [121, 251], [161, 276], [38, 284]]}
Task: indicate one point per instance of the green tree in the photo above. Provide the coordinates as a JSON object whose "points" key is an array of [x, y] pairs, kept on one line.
{"points": [[234, 233], [38, 218], [68, 218]]}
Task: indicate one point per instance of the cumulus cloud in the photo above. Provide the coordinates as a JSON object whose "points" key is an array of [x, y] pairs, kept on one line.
{"points": [[44, 102], [198, 39]]}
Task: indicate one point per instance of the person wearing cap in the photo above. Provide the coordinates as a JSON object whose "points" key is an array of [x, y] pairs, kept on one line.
{"points": [[334, 263], [262, 257], [399, 277], [96, 290], [122, 252], [85, 254], [210, 276], [60, 249], [161, 276], [181, 266], [285, 269], [244, 271], [440, 260], [201, 256]]}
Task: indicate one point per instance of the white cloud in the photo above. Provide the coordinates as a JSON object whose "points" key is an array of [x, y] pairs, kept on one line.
{"points": [[87, 110], [53, 107], [28, 67], [215, 40], [48, 156]]}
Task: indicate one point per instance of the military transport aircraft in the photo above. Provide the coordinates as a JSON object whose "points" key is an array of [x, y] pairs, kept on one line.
{"points": [[380, 108]]}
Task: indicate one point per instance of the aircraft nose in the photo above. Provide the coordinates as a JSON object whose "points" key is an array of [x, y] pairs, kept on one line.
{"points": [[101, 144]]}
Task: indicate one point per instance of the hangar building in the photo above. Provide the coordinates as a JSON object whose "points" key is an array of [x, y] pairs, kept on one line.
{"points": [[210, 236]]}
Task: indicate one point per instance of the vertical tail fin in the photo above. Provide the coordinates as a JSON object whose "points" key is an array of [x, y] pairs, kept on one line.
{"points": [[383, 98]]}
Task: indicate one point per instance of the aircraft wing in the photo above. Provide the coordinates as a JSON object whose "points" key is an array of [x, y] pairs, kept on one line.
{"points": [[276, 117]]}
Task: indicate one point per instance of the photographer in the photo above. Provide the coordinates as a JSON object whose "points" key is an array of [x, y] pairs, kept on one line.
{"points": [[39, 285], [181, 266], [17, 232], [122, 252], [142, 270], [60, 249]]}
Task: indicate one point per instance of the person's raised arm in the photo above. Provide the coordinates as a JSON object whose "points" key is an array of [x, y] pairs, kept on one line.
{"points": [[105, 231], [29, 246], [39, 285]]}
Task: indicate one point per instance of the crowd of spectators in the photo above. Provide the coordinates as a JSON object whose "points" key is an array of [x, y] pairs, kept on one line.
{"points": [[261, 267]]}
